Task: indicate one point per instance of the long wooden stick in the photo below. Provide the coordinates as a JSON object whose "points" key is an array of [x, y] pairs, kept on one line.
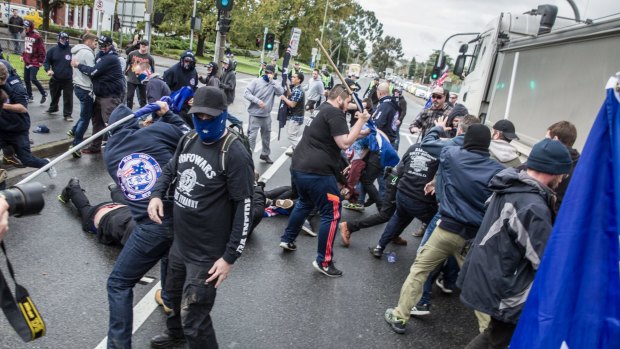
{"points": [[329, 59]]}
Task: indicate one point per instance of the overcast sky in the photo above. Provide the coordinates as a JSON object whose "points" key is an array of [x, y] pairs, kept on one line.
{"points": [[424, 25]]}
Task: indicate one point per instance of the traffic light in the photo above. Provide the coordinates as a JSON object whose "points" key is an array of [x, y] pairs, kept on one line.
{"points": [[435, 73], [225, 25], [270, 41], [224, 5]]}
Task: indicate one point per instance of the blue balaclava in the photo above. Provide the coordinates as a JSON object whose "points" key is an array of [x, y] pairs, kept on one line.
{"points": [[210, 131]]}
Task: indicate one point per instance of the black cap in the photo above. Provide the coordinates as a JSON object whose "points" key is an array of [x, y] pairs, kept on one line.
{"points": [[507, 128], [208, 100], [104, 40], [478, 137], [270, 69], [144, 42]]}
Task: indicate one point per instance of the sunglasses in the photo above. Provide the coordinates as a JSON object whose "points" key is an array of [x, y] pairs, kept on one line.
{"points": [[436, 96]]}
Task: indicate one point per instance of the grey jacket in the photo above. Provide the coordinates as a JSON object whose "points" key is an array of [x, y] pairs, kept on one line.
{"points": [[315, 89], [84, 55], [260, 90], [505, 153], [499, 270]]}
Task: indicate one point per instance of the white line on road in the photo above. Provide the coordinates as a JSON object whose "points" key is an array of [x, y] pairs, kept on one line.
{"points": [[274, 168], [141, 312], [409, 139], [259, 146]]}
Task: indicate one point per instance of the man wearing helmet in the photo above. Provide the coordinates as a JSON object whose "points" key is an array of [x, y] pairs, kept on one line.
{"points": [[108, 86], [33, 56], [58, 67]]}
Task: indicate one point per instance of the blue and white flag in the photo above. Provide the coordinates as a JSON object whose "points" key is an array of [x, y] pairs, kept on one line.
{"points": [[574, 302]]}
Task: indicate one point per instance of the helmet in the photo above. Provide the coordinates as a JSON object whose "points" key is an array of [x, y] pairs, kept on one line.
{"points": [[63, 35], [188, 61], [27, 24]]}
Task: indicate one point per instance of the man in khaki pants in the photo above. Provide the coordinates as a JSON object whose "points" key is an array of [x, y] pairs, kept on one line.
{"points": [[465, 175]]}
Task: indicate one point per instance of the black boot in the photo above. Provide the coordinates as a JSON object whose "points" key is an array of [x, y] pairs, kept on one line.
{"points": [[162, 341]]}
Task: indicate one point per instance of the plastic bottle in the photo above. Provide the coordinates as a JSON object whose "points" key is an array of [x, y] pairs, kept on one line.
{"points": [[391, 257]]}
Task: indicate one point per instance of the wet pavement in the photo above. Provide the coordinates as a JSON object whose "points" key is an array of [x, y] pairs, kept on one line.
{"points": [[272, 299]]}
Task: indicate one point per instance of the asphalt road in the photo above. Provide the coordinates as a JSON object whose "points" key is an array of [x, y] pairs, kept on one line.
{"points": [[271, 299]]}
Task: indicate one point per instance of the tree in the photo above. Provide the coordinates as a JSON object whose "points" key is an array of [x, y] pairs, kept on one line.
{"points": [[412, 67], [385, 52]]}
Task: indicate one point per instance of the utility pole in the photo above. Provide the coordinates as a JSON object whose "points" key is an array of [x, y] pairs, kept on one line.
{"points": [[191, 36], [318, 60], [147, 24], [262, 52], [220, 38]]}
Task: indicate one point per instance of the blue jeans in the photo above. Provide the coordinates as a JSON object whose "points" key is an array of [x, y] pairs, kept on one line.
{"points": [[21, 145], [407, 208], [234, 120], [30, 75], [322, 192], [148, 243], [86, 112]]}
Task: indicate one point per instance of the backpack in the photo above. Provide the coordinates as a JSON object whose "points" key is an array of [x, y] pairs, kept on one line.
{"points": [[235, 132]]}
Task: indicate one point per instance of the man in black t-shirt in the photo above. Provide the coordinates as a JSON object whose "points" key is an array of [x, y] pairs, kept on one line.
{"points": [[213, 192], [314, 169]]}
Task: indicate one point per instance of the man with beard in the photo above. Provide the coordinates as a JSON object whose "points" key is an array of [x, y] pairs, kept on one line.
{"points": [[427, 117], [315, 174]]}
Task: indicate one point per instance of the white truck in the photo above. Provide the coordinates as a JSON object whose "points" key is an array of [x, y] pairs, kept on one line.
{"points": [[535, 78]]}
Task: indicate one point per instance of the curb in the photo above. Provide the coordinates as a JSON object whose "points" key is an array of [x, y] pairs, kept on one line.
{"points": [[46, 150]]}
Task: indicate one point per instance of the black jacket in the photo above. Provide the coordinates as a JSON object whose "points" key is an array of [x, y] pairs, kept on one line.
{"points": [[58, 58], [228, 83], [385, 116], [107, 75], [501, 265], [12, 122]]}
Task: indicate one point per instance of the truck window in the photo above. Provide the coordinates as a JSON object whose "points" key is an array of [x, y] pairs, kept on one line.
{"points": [[479, 51]]}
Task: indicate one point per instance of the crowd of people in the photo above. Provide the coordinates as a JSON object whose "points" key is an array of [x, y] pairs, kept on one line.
{"points": [[185, 192]]}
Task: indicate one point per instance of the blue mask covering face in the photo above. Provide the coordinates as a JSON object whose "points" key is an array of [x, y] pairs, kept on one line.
{"points": [[210, 131], [141, 76], [266, 78]]}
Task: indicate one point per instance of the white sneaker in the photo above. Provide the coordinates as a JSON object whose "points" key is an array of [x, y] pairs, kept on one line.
{"points": [[51, 171]]}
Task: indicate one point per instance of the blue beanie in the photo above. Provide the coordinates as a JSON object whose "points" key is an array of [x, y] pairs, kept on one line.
{"points": [[550, 156]]}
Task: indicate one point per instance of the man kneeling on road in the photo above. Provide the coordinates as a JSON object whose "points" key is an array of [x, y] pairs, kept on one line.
{"points": [[212, 215]]}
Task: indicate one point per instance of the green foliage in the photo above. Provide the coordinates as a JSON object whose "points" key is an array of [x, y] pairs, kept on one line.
{"points": [[385, 52]]}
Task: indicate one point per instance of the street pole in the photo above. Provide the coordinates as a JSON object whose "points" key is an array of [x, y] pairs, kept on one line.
{"points": [[220, 40], [262, 52], [147, 24], [424, 74], [191, 37], [323, 29]]}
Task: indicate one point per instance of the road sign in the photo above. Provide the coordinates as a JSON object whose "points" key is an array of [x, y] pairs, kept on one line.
{"points": [[294, 43], [106, 6]]}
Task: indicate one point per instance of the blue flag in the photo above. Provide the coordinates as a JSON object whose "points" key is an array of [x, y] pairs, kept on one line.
{"points": [[575, 299]]}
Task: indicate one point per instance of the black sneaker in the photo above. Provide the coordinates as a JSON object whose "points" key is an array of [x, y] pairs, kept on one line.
{"points": [[377, 252], [76, 154], [52, 110], [65, 195], [68, 118], [421, 310], [289, 246], [398, 325], [30, 99], [330, 270], [71, 134], [43, 99], [266, 159], [444, 289], [166, 341]]}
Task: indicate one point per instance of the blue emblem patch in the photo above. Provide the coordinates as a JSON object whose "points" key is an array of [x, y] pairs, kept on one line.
{"points": [[137, 174]]}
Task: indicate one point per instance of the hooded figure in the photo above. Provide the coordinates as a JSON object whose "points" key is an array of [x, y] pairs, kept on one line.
{"points": [[228, 83], [58, 66], [211, 79], [183, 73]]}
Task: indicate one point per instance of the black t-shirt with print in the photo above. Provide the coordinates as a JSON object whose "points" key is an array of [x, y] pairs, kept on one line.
{"points": [[204, 211], [317, 152]]}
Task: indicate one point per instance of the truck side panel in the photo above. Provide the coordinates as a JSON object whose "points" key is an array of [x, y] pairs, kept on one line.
{"points": [[554, 83]]}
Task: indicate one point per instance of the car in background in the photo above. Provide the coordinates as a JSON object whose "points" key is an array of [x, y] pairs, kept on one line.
{"points": [[422, 92]]}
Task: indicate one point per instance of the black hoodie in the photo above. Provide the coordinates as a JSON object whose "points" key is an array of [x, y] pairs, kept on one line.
{"points": [[135, 156], [385, 116], [177, 76]]}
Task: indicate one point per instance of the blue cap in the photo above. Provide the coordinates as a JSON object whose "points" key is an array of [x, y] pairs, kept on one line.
{"points": [[41, 129]]}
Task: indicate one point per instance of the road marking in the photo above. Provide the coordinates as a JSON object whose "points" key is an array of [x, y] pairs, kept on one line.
{"points": [[141, 312], [274, 168], [259, 146], [409, 139], [146, 280]]}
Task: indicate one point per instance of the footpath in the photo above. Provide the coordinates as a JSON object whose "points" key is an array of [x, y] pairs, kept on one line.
{"points": [[56, 142]]}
